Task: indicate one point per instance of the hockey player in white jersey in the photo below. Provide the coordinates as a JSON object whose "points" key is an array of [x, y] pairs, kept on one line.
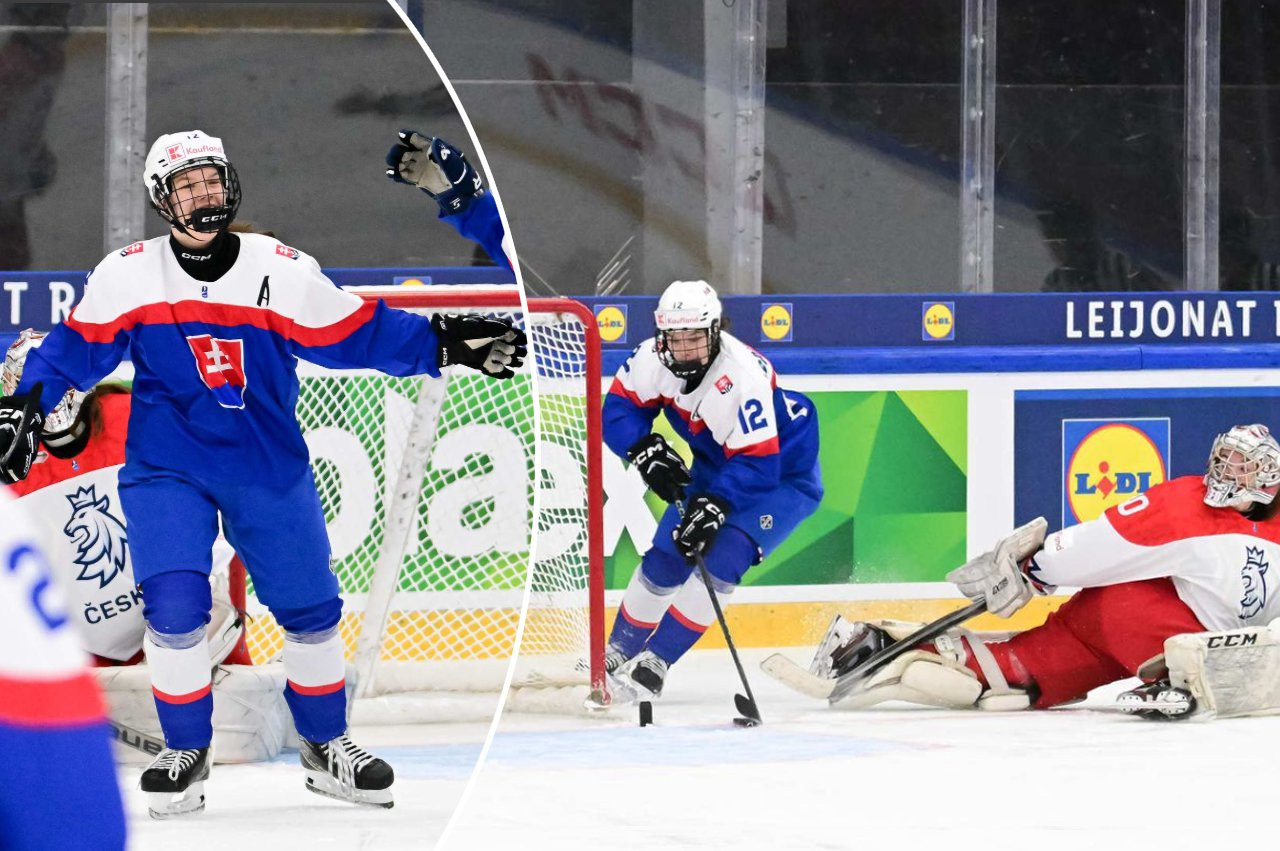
{"points": [[754, 477], [215, 323], [58, 789], [1174, 589]]}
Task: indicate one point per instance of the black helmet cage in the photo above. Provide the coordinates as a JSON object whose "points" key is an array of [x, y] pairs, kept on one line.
{"points": [[208, 219], [689, 369]]}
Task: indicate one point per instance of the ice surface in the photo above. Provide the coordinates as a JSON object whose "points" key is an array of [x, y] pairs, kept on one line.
{"points": [[1084, 777]]}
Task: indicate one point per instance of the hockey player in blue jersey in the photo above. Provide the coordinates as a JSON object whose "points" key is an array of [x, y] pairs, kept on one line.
{"points": [[215, 322], [754, 477]]}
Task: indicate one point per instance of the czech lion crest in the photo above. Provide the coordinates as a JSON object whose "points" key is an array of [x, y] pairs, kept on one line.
{"points": [[102, 545], [1253, 576]]}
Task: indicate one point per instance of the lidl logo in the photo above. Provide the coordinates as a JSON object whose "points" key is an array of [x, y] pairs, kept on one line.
{"points": [[612, 321], [776, 323], [938, 319], [411, 281], [1108, 462]]}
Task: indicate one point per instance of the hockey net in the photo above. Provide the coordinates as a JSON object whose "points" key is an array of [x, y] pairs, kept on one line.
{"points": [[427, 487]]}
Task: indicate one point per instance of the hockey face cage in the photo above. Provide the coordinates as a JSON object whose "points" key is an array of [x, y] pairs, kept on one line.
{"points": [[689, 369], [60, 427], [1242, 463], [209, 219]]}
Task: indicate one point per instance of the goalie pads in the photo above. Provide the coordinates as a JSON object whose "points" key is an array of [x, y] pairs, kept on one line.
{"points": [[251, 722], [1231, 673], [920, 676], [999, 576]]}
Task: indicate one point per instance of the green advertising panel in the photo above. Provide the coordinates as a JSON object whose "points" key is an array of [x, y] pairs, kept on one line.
{"points": [[894, 465]]}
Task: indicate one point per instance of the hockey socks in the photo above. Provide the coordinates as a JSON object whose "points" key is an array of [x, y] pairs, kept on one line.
{"points": [[687, 618], [642, 607], [182, 686], [316, 689]]}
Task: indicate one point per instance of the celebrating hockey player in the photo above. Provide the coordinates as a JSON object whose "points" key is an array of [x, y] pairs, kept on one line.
{"points": [[1180, 570], [58, 789], [754, 477], [215, 321]]}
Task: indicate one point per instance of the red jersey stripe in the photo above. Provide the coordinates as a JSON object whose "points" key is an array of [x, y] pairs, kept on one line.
{"points": [[227, 315], [764, 447], [189, 697], [328, 688], [63, 702]]}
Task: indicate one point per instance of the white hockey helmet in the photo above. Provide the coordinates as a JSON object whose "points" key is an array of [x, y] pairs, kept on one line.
{"points": [[174, 153], [1243, 463], [61, 430], [687, 306]]}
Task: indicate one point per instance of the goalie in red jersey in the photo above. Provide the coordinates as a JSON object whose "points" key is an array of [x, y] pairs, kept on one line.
{"points": [[1175, 589], [72, 489]]}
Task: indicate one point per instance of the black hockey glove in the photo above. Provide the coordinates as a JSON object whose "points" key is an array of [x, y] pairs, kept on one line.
{"points": [[702, 521], [20, 422], [493, 346], [437, 168], [661, 468]]}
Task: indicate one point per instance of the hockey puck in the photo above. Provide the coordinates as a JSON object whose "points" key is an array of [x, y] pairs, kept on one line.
{"points": [[646, 713], [746, 722]]}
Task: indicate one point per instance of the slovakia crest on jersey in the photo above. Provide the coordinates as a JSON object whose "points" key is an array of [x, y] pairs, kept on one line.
{"points": [[286, 251], [723, 384], [99, 537], [221, 367], [135, 248]]}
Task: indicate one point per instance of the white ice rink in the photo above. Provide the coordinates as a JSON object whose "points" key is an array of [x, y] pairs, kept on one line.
{"points": [[1083, 778]]}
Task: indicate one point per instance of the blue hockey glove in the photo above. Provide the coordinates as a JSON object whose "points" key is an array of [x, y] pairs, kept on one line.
{"points": [[437, 168], [20, 422], [702, 521]]}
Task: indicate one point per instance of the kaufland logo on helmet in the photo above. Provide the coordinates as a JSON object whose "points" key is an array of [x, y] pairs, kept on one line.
{"points": [[1108, 462], [180, 151], [175, 152]]}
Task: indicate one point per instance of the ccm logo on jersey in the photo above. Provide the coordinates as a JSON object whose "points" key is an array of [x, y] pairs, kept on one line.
{"points": [[286, 251], [723, 384], [221, 367], [136, 248]]}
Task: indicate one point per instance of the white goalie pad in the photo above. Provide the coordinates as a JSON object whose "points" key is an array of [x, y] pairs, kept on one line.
{"points": [[226, 626], [1230, 673], [251, 722]]}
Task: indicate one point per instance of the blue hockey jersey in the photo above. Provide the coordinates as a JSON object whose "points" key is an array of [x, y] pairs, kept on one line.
{"points": [[215, 381], [748, 436]]}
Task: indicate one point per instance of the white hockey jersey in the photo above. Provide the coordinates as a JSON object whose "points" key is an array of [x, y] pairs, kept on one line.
{"points": [[1219, 560], [747, 435]]}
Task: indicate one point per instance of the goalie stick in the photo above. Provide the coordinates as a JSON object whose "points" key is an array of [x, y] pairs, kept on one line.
{"points": [[749, 711], [136, 739], [800, 679]]}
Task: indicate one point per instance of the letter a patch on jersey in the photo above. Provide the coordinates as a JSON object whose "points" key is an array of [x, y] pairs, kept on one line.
{"points": [[221, 367]]}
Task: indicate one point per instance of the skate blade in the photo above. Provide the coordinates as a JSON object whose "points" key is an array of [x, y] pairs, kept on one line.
{"points": [[322, 783], [165, 805]]}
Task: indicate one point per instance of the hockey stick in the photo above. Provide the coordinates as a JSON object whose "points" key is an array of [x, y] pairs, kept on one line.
{"points": [[833, 690], [749, 711], [136, 739]]}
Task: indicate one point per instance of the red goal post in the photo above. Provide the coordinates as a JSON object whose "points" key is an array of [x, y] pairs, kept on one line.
{"points": [[428, 488]]}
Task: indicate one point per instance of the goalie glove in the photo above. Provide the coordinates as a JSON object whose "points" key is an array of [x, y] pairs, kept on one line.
{"points": [[493, 346], [1000, 576], [701, 523], [661, 468], [437, 168], [20, 422]]}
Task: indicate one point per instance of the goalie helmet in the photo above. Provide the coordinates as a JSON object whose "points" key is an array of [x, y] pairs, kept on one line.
{"points": [[1242, 464], [199, 204], [62, 432], [688, 306]]}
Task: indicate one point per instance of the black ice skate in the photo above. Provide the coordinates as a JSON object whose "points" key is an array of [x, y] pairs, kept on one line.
{"points": [[1158, 701], [174, 782], [648, 674], [614, 659], [339, 769], [854, 644]]}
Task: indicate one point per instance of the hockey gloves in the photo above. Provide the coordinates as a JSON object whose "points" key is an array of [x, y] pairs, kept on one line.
{"points": [[493, 346], [20, 422], [702, 521], [661, 468], [437, 168], [1000, 577]]}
